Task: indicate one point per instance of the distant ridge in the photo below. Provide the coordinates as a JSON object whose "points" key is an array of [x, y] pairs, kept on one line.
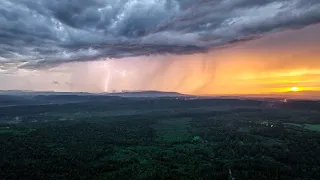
{"points": [[304, 95], [11, 98], [301, 95], [147, 94], [121, 94], [36, 93]]}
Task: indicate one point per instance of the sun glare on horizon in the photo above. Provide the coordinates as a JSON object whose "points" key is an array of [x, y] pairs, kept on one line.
{"points": [[294, 89]]}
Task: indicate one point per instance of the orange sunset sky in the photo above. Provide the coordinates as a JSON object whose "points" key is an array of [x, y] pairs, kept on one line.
{"points": [[286, 62]]}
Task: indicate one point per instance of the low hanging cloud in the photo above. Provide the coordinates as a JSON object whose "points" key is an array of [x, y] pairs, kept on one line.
{"points": [[43, 33]]}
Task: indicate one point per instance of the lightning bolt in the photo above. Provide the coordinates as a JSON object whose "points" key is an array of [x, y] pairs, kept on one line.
{"points": [[110, 70]]}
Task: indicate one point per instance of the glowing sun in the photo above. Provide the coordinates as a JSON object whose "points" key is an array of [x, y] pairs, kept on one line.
{"points": [[294, 89]]}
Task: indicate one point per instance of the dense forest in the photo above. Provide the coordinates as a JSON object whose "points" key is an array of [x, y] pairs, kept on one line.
{"points": [[160, 138]]}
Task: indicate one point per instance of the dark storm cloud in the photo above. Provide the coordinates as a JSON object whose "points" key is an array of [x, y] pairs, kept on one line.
{"points": [[44, 32]]}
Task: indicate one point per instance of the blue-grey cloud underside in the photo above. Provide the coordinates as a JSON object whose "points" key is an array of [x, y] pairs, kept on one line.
{"points": [[47, 32]]}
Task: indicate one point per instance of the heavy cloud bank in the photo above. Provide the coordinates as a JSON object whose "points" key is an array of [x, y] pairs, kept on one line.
{"points": [[39, 33]]}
